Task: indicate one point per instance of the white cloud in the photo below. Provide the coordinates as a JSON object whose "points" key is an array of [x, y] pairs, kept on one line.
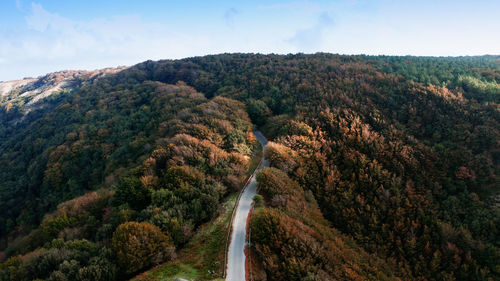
{"points": [[229, 16], [310, 39], [302, 7], [19, 4], [52, 42], [60, 37], [47, 41], [39, 19]]}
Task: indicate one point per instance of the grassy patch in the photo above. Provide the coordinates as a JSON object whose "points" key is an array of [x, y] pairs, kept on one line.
{"points": [[203, 257], [170, 271]]}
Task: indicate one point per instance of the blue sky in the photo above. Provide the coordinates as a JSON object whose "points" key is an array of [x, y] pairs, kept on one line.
{"points": [[37, 37]]}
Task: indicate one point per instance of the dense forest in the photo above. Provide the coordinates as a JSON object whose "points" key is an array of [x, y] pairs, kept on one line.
{"points": [[381, 168]]}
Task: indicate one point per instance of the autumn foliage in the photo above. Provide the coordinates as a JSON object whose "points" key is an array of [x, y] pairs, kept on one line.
{"points": [[139, 245], [293, 241], [381, 167]]}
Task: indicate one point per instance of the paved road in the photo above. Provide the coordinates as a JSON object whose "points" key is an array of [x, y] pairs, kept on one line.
{"points": [[236, 252]]}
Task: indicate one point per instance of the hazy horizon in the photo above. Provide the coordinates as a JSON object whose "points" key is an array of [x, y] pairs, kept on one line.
{"points": [[39, 37], [121, 65]]}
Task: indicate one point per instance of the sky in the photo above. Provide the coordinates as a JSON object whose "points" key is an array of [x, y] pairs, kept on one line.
{"points": [[38, 37]]}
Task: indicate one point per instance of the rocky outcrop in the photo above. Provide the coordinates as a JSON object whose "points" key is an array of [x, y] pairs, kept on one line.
{"points": [[29, 93]]}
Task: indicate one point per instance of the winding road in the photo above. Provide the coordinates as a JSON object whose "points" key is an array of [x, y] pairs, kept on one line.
{"points": [[236, 253]]}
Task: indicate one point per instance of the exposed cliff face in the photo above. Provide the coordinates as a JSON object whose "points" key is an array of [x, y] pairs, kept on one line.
{"points": [[29, 93]]}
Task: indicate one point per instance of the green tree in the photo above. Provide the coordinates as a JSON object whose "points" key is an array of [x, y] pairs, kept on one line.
{"points": [[139, 245], [131, 191], [258, 111]]}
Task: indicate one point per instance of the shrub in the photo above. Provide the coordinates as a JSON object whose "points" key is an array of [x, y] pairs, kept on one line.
{"points": [[273, 182], [139, 245], [183, 177], [258, 200], [52, 227], [99, 269], [281, 157]]}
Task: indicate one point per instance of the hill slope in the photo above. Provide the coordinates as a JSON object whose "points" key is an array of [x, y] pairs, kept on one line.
{"points": [[399, 156]]}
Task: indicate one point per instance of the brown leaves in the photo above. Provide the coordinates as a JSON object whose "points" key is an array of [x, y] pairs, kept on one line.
{"points": [[141, 245], [281, 157]]}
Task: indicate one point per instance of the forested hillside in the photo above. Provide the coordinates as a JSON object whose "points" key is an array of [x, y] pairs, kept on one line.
{"points": [[382, 167]]}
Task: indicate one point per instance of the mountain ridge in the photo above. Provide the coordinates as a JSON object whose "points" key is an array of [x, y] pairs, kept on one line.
{"points": [[396, 156], [27, 93]]}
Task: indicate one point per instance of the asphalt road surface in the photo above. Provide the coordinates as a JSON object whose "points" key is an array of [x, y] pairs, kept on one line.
{"points": [[236, 253]]}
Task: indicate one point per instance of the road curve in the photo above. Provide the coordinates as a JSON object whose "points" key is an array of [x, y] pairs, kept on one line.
{"points": [[236, 253]]}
